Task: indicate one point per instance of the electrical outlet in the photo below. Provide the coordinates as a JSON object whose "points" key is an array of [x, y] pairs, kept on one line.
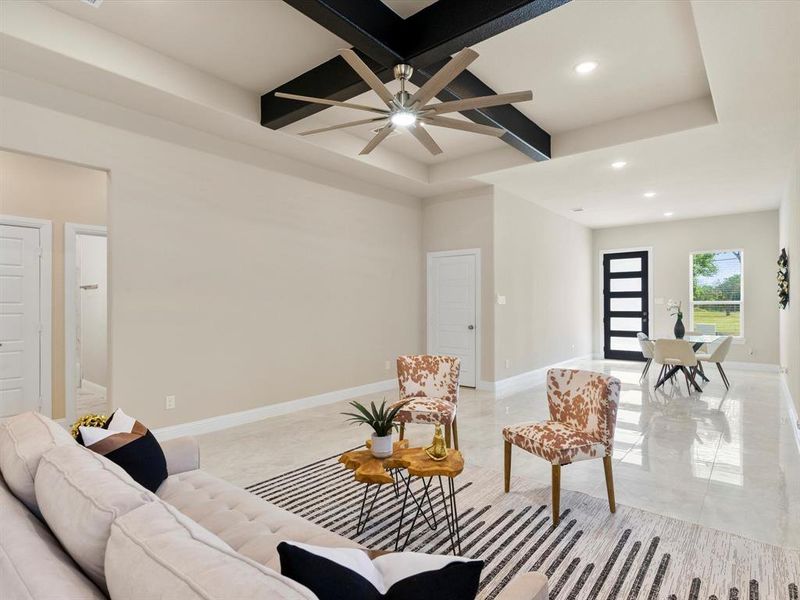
{"points": [[508, 363], [169, 402], [387, 365]]}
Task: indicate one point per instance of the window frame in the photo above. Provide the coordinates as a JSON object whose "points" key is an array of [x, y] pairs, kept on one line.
{"points": [[740, 302]]}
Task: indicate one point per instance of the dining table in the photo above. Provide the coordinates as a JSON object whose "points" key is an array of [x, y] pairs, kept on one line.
{"points": [[697, 341]]}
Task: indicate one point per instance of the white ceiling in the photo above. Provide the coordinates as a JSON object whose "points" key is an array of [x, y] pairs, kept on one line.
{"points": [[254, 44], [752, 55], [647, 52], [702, 98]]}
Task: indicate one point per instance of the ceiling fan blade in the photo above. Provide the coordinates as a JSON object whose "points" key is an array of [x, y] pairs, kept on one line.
{"points": [[343, 125], [464, 126], [360, 67], [331, 102], [443, 76], [425, 139], [480, 102], [377, 139]]}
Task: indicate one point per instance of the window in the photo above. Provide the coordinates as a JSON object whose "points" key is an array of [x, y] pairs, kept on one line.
{"points": [[716, 293]]}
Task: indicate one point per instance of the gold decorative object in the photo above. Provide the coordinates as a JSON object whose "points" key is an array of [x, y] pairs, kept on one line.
{"points": [[438, 449], [87, 421]]}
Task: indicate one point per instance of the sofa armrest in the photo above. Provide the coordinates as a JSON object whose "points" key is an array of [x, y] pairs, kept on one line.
{"points": [[525, 586], [182, 454]]}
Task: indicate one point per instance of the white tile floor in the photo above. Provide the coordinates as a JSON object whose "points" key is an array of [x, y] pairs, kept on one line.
{"points": [[727, 460]]}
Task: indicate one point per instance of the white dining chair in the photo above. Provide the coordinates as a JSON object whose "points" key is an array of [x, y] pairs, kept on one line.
{"points": [[676, 354], [646, 344], [719, 352]]}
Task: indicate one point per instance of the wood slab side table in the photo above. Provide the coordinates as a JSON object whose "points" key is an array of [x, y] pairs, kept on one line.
{"points": [[371, 471]]}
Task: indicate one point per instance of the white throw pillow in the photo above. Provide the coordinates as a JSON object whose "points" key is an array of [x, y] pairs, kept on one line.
{"points": [[335, 573], [80, 494], [24, 438]]}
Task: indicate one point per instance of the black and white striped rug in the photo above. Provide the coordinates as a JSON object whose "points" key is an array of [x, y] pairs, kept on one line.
{"points": [[632, 554]]}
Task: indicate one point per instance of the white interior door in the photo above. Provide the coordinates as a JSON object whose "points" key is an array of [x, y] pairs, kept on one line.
{"points": [[452, 322], [20, 339]]}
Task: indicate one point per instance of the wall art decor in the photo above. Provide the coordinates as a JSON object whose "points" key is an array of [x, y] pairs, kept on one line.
{"points": [[783, 279]]}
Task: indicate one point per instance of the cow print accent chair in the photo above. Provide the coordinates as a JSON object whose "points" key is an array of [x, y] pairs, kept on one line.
{"points": [[583, 415], [429, 388]]}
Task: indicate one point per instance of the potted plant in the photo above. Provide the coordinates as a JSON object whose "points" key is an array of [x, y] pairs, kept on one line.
{"points": [[381, 420], [674, 309]]}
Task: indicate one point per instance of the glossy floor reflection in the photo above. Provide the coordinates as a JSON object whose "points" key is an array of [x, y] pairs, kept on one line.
{"points": [[724, 459]]}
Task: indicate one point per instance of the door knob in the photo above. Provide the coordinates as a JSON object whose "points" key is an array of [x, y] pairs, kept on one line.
{"points": [[471, 327]]}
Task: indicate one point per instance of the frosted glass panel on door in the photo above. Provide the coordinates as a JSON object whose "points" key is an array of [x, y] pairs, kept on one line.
{"points": [[624, 265], [626, 304], [625, 344], [626, 324], [633, 284]]}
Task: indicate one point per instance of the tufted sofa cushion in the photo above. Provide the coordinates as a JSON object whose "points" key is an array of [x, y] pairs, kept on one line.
{"points": [[157, 553], [245, 522], [23, 440], [80, 494]]}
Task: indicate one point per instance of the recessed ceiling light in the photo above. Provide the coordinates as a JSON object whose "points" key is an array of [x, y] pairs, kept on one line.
{"points": [[578, 209], [94, 3], [585, 67], [618, 164], [668, 214], [649, 194]]}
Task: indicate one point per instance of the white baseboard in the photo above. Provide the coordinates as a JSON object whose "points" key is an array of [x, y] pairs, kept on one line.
{"points": [[270, 410], [91, 386], [512, 385], [751, 366]]}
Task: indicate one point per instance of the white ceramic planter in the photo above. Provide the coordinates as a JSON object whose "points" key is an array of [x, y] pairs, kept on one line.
{"points": [[381, 446]]}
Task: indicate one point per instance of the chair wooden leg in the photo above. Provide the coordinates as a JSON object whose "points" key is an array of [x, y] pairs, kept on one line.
{"points": [[447, 435], [556, 483], [612, 503], [402, 430], [455, 432], [507, 467]]}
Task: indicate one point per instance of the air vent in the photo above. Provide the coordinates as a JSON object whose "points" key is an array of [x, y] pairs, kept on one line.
{"points": [[94, 3]]}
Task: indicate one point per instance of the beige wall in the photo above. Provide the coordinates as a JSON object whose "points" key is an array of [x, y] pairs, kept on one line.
{"points": [[461, 221], [62, 193], [542, 265], [238, 285], [790, 318], [672, 243]]}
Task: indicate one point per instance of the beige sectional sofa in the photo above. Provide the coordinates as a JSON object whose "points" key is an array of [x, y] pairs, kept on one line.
{"points": [[75, 526]]}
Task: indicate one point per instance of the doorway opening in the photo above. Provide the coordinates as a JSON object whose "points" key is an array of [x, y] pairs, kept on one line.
{"points": [[86, 319]]}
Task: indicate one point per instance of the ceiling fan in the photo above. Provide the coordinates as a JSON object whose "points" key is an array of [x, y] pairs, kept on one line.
{"points": [[412, 111]]}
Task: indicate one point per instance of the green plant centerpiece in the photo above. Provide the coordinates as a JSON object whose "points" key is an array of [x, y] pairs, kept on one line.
{"points": [[381, 419]]}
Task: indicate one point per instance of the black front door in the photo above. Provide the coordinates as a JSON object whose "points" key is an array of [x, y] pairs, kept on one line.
{"points": [[625, 302]]}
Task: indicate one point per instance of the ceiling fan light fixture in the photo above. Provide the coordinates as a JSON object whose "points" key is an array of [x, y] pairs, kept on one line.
{"points": [[403, 118]]}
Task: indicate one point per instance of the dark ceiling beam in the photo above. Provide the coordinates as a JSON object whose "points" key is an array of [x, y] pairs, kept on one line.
{"points": [[425, 40], [440, 30]]}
